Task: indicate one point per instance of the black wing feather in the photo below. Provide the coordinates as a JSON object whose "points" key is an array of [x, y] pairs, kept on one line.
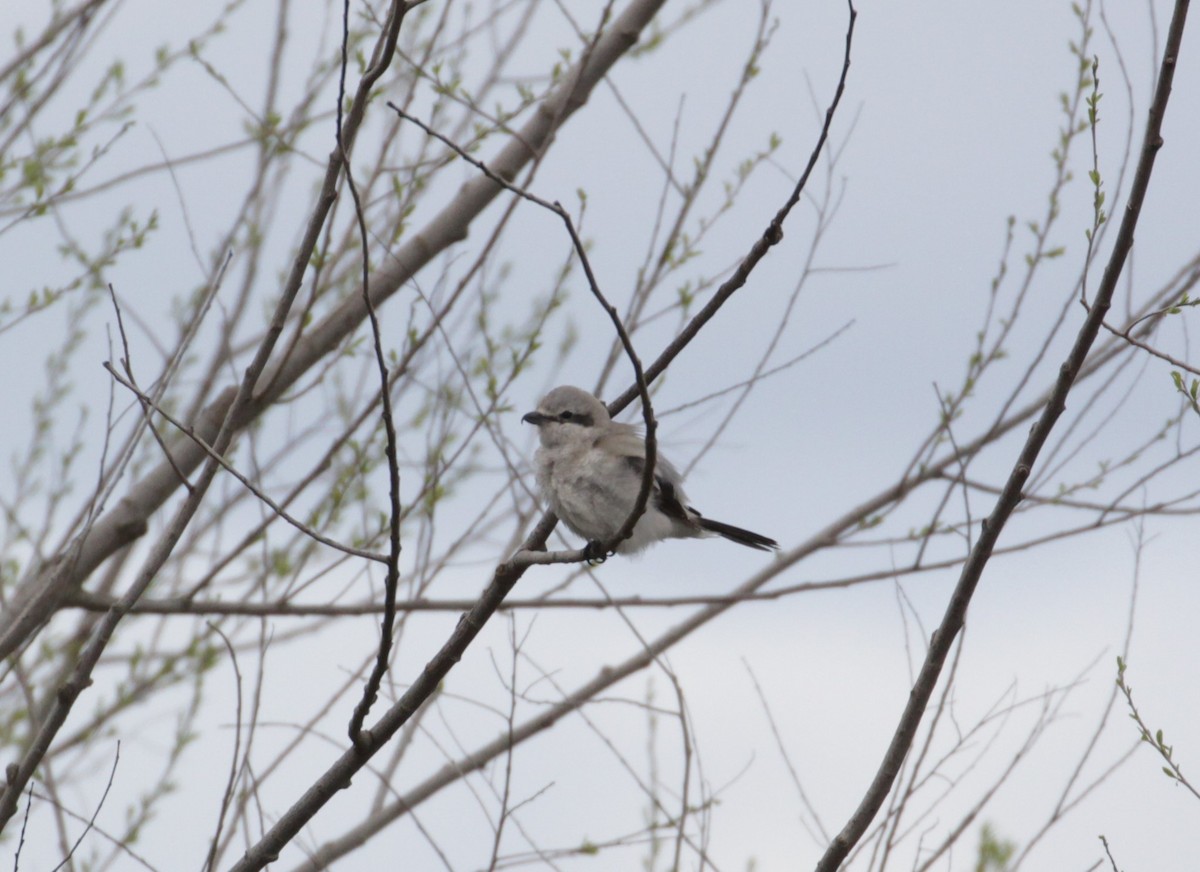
{"points": [[663, 493], [667, 502]]}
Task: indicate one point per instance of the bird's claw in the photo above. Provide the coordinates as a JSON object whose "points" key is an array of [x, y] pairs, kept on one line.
{"points": [[595, 553]]}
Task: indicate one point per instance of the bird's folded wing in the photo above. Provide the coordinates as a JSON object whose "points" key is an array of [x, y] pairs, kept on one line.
{"points": [[627, 442], [666, 496]]}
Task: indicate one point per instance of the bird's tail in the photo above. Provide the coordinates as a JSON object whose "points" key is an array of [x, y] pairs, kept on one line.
{"points": [[738, 535]]}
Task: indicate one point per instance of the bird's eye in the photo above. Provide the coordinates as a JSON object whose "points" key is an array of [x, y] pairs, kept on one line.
{"points": [[566, 416]]}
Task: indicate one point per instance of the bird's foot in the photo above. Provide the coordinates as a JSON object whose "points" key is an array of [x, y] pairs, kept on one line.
{"points": [[594, 552]]}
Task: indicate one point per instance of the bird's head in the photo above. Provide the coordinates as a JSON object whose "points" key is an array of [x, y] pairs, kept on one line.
{"points": [[565, 414]]}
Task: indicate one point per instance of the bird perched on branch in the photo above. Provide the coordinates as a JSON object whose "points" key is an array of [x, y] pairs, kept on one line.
{"points": [[589, 469]]}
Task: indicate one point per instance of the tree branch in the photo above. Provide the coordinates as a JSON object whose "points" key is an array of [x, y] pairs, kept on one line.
{"points": [[956, 610]]}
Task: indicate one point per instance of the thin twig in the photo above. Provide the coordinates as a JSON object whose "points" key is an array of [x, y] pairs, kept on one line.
{"points": [[24, 826], [1108, 854], [145, 403], [387, 625], [92, 820], [231, 781], [259, 494]]}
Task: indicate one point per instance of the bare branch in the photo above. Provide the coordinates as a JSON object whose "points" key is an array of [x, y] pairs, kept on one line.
{"points": [[956, 610], [392, 579]]}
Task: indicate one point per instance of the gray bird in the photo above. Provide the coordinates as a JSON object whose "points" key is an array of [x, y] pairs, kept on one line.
{"points": [[589, 470]]}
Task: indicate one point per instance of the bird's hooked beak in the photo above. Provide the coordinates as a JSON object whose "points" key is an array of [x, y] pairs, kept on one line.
{"points": [[536, 418]]}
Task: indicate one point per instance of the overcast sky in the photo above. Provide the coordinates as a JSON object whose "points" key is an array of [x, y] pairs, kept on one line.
{"points": [[946, 129]]}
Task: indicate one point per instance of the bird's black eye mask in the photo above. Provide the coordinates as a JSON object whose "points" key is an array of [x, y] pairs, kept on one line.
{"points": [[580, 418]]}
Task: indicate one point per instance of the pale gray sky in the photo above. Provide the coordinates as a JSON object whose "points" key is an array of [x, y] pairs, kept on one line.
{"points": [[955, 112]]}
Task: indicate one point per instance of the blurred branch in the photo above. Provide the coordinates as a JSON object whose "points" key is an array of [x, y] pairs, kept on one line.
{"points": [[79, 16]]}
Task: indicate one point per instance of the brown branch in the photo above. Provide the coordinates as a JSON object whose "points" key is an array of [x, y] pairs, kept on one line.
{"points": [[387, 625], [339, 774], [956, 610]]}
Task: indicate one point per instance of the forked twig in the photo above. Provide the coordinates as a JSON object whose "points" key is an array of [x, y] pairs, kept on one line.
{"points": [[396, 13]]}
